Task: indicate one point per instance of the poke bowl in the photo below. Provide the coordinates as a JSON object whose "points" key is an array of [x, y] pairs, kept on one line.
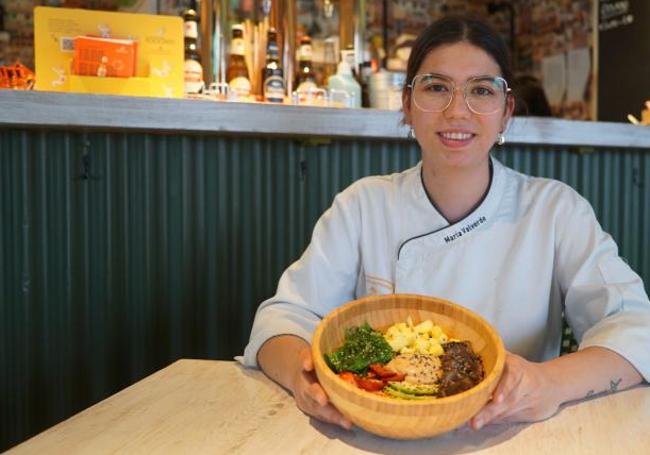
{"points": [[402, 407]]}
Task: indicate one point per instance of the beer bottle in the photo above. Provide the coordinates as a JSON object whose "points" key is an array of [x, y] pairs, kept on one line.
{"points": [[272, 74], [237, 74], [305, 77], [192, 69]]}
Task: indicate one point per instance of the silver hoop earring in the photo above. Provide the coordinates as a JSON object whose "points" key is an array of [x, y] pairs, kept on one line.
{"points": [[501, 139], [411, 134]]}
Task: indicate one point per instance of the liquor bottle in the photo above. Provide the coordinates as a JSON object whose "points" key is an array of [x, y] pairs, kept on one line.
{"points": [[305, 77], [237, 75], [330, 61], [365, 72], [272, 74], [192, 69]]}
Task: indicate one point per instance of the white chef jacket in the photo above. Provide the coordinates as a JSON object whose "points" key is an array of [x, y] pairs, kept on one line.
{"points": [[532, 248]]}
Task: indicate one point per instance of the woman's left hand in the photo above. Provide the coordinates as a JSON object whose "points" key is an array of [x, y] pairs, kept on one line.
{"points": [[525, 393]]}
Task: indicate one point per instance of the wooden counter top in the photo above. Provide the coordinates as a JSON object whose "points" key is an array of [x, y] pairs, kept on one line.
{"points": [[214, 407], [115, 113]]}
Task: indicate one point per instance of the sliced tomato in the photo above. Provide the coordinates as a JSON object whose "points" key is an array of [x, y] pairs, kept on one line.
{"points": [[348, 376], [397, 377], [370, 384], [381, 370]]}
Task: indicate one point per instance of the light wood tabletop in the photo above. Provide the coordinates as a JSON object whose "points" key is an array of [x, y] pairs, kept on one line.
{"points": [[217, 407]]}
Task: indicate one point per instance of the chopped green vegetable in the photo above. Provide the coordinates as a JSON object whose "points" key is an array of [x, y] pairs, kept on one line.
{"points": [[362, 346]]}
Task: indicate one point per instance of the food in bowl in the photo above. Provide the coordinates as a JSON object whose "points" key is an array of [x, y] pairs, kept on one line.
{"points": [[407, 419], [406, 361]]}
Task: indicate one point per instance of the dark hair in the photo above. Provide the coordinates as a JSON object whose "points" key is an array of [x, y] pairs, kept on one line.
{"points": [[531, 99], [454, 29]]}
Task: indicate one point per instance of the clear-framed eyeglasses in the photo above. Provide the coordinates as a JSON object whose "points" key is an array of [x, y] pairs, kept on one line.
{"points": [[435, 93]]}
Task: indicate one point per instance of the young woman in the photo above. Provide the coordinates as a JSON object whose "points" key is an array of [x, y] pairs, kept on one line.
{"points": [[517, 249]]}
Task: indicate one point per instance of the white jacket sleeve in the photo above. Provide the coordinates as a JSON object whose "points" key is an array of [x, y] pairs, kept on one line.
{"points": [[605, 302], [322, 279]]}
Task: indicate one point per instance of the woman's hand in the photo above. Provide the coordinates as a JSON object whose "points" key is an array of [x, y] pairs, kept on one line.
{"points": [[525, 393], [286, 359], [310, 396], [530, 391]]}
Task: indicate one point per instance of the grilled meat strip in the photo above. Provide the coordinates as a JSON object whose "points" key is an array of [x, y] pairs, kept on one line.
{"points": [[461, 368]]}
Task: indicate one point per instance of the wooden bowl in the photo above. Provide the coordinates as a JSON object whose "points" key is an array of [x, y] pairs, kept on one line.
{"points": [[405, 419]]}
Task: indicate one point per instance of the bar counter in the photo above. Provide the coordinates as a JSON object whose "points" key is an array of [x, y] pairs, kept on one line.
{"points": [[208, 407], [119, 113]]}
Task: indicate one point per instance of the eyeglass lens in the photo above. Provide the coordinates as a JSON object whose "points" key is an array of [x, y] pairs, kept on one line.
{"points": [[484, 95]]}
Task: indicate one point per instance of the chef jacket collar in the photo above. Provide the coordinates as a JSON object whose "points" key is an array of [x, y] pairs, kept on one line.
{"points": [[445, 233]]}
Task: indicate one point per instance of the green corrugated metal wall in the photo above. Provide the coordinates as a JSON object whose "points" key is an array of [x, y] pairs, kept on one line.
{"points": [[123, 252]]}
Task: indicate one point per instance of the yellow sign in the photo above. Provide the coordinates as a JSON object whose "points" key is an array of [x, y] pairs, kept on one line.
{"points": [[159, 69]]}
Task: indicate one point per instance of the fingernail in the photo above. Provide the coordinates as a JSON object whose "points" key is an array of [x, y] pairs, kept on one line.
{"points": [[478, 423], [345, 423]]}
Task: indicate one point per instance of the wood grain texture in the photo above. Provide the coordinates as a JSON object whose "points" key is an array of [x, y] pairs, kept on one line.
{"points": [[404, 419], [212, 407], [105, 112]]}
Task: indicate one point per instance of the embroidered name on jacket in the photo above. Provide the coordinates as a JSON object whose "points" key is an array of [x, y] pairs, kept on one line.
{"points": [[465, 230]]}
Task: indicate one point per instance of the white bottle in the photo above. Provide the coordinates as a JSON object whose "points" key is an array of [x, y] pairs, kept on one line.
{"points": [[344, 81]]}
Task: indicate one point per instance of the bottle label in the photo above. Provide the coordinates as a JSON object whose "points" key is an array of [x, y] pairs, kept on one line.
{"points": [[190, 30], [274, 89], [304, 52], [306, 86], [237, 47], [241, 86], [193, 76], [272, 49]]}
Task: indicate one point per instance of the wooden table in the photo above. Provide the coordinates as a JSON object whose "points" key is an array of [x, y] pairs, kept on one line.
{"points": [[215, 407]]}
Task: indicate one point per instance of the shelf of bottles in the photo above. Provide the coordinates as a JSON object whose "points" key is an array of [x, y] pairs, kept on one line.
{"points": [[266, 60]]}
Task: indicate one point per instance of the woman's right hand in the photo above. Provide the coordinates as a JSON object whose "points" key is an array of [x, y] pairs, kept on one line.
{"points": [[287, 360], [310, 396]]}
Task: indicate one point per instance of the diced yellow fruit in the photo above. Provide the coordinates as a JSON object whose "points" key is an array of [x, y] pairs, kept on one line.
{"points": [[422, 346], [424, 327], [398, 342], [401, 326], [392, 331], [435, 349]]}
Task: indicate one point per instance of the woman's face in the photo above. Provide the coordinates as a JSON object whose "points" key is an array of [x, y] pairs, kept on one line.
{"points": [[457, 137]]}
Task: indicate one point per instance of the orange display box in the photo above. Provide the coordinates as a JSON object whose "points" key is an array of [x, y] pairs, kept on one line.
{"points": [[106, 57]]}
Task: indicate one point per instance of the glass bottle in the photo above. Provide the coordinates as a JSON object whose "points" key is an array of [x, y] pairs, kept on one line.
{"points": [[192, 68], [272, 74], [237, 74], [330, 61], [305, 76]]}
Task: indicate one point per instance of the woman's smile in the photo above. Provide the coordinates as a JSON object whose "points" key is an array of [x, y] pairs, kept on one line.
{"points": [[455, 138]]}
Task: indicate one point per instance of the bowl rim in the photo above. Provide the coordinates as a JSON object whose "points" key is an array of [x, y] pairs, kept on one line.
{"points": [[487, 381]]}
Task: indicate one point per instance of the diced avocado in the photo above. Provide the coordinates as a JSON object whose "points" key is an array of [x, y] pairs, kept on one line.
{"points": [[391, 392], [414, 389]]}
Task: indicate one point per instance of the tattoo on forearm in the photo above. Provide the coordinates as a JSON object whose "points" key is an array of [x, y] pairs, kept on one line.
{"points": [[613, 385]]}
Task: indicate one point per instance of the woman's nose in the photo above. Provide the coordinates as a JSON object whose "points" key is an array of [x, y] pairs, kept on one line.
{"points": [[458, 107]]}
